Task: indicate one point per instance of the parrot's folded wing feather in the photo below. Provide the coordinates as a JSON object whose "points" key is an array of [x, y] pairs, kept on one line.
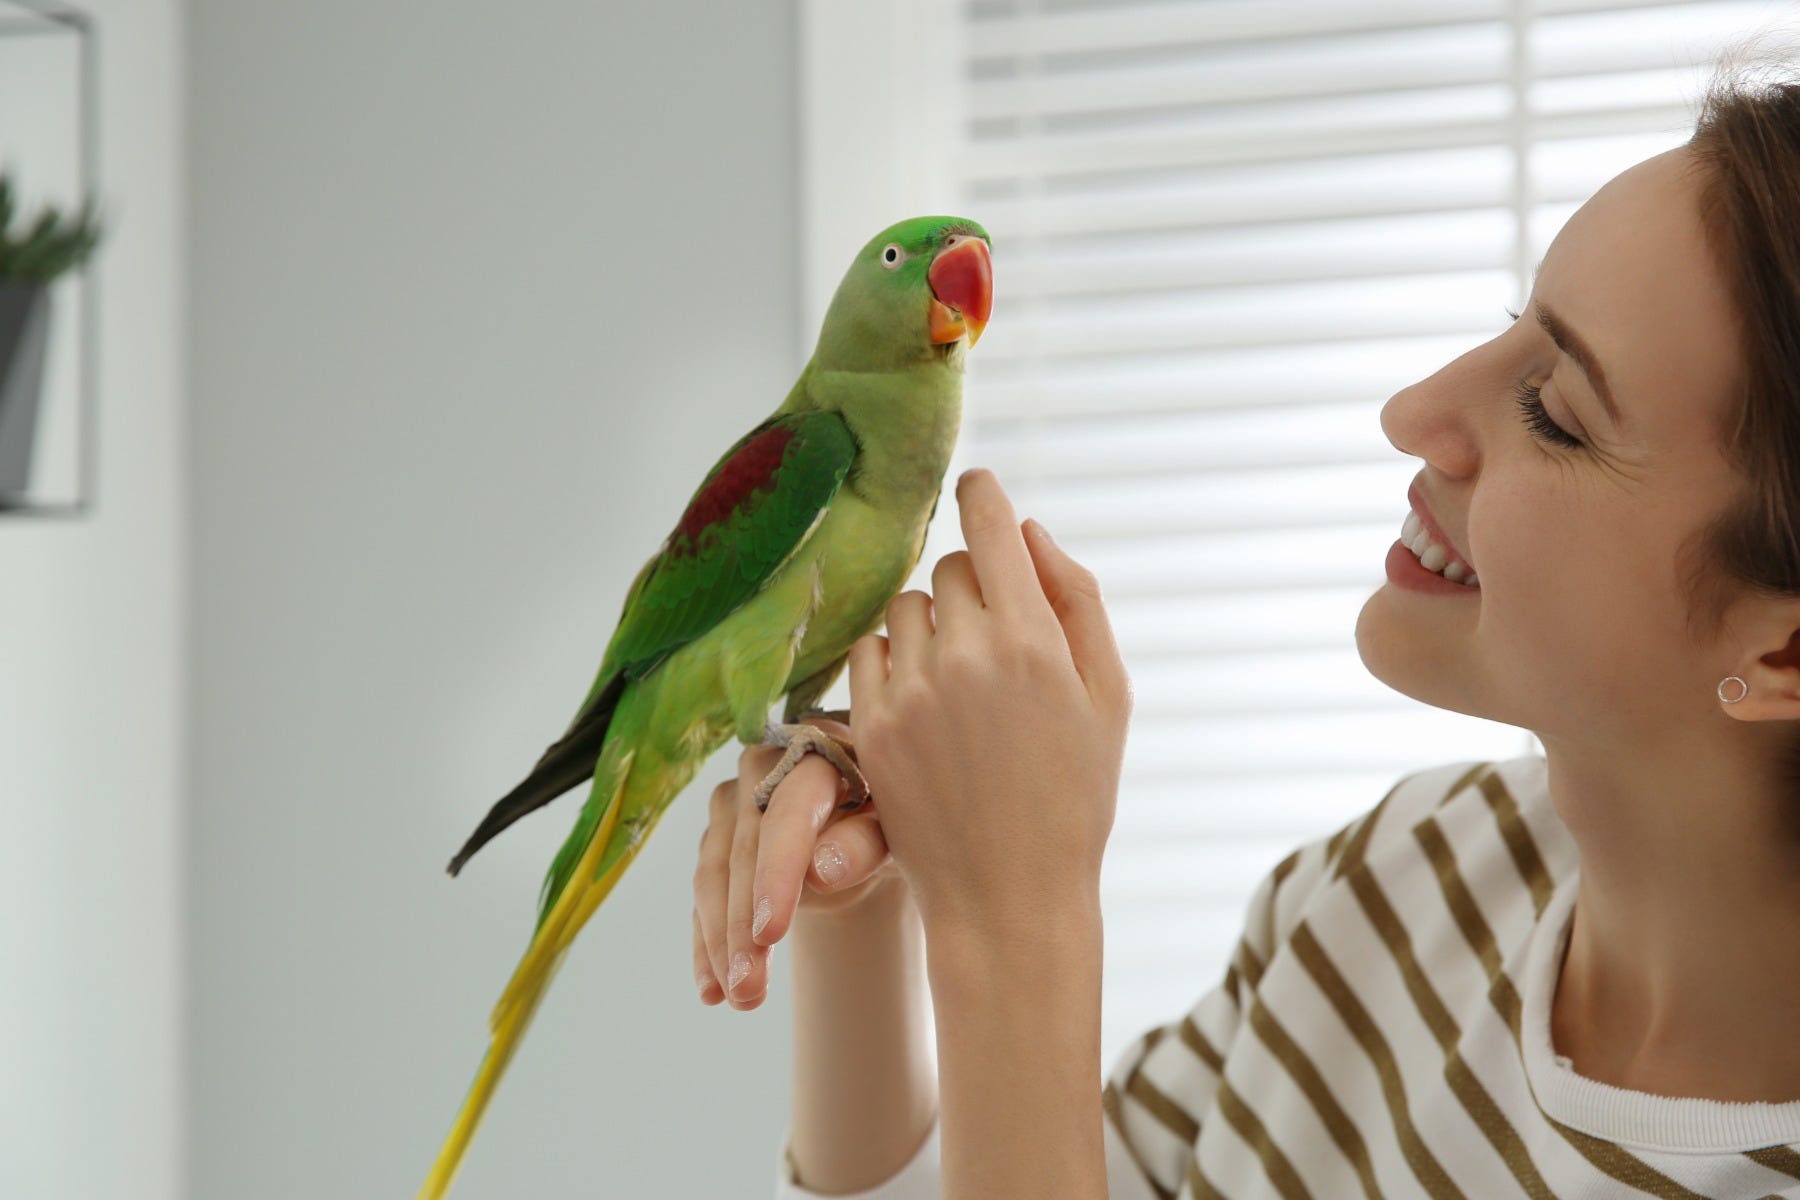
{"points": [[746, 519], [748, 516]]}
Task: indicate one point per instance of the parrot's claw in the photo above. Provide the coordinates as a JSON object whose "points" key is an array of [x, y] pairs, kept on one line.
{"points": [[798, 739]]}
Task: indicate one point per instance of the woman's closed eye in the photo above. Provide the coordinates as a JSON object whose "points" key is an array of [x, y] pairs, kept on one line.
{"points": [[1537, 417]]}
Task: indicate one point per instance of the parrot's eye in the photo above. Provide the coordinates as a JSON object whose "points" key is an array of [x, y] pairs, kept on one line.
{"points": [[892, 255]]}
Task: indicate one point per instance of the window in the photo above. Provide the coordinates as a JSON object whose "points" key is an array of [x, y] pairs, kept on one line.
{"points": [[1225, 233]]}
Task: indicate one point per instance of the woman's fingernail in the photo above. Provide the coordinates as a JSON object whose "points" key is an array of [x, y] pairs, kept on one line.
{"points": [[740, 968], [703, 982], [1042, 532], [830, 863], [765, 908]]}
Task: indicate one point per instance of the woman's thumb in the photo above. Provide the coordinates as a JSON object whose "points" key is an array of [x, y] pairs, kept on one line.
{"points": [[847, 852]]}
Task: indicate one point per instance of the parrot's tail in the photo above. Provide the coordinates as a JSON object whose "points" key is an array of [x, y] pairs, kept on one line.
{"points": [[566, 763], [531, 979]]}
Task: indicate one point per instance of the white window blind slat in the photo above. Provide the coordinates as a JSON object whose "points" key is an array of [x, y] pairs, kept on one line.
{"points": [[1286, 314], [1291, 806], [1002, 29], [1573, 39], [1203, 196], [1155, 629], [1225, 233], [1177, 448], [1185, 259], [1266, 732], [1235, 377], [1315, 130], [1398, 63]]}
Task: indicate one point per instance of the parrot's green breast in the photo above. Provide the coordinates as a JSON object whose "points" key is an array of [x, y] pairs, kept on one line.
{"points": [[864, 554], [835, 586], [834, 589]]}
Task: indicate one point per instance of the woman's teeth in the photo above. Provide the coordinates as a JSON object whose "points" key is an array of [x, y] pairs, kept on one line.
{"points": [[1435, 558]]}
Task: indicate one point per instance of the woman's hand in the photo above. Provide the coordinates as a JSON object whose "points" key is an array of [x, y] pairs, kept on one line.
{"points": [[747, 856], [991, 723]]}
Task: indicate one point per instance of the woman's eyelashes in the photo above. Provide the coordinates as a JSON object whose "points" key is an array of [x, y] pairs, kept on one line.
{"points": [[1536, 417], [1531, 407]]}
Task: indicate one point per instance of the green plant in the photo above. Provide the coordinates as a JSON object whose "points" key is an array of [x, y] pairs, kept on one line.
{"points": [[49, 247]]}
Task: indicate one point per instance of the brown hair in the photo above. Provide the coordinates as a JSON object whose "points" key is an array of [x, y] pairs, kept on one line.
{"points": [[1746, 143]]}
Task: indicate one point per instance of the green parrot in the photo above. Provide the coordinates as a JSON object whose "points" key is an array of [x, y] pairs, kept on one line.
{"points": [[786, 554]]}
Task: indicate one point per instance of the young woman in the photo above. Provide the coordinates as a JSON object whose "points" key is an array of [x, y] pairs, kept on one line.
{"points": [[1575, 975]]}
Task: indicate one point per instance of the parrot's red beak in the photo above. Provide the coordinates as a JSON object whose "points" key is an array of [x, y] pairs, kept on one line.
{"points": [[962, 287]]}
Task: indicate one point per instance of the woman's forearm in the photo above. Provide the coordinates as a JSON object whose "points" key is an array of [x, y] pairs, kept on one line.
{"points": [[865, 1090], [1018, 1035]]}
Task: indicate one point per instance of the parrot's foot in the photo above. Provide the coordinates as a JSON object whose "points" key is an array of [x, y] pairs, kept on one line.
{"points": [[798, 739]]}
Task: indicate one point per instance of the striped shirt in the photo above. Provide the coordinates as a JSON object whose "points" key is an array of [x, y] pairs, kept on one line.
{"points": [[1382, 1030]]}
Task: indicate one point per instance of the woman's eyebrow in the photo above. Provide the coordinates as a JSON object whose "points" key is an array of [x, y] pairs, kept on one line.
{"points": [[1571, 343]]}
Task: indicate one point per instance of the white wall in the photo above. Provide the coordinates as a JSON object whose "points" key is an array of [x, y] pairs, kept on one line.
{"points": [[478, 295], [91, 700]]}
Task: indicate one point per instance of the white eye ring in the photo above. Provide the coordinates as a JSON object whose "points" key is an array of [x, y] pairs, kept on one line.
{"points": [[892, 255]]}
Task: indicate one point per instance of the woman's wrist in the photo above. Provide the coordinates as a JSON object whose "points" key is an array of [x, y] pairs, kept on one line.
{"points": [[971, 944], [1018, 1031], [865, 1084]]}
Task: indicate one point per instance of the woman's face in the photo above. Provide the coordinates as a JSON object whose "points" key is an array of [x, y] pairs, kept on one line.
{"points": [[1577, 630]]}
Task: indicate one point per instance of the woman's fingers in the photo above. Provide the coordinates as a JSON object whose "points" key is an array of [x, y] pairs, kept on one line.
{"points": [[956, 594], [1002, 564], [868, 672], [745, 978], [807, 798], [712, 874], [910, 625], [704, 979], [1074, 596], [809, 784], [753, 863]]}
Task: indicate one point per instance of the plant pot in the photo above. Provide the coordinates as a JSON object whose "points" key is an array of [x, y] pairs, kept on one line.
{"points": [[24, 329]]}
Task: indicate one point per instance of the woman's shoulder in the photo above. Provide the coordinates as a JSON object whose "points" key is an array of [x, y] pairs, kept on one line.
{"points": [[1451, 835], [1460, 809], [1468, 790]]}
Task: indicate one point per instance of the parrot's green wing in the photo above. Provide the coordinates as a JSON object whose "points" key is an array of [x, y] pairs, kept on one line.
{"points": [[755, 507], [748, 516]]}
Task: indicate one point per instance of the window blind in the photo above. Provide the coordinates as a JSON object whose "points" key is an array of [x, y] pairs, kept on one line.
{"points": [[1225, 233]]}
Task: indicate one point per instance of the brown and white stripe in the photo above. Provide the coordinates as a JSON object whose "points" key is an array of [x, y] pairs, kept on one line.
{"points": [[1369, 1037]]}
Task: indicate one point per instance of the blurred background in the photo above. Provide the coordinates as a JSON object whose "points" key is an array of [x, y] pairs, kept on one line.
{"points": [[411, 333]]}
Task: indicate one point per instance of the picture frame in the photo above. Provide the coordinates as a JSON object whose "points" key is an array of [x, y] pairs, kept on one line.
{"points": [[48, 329]]}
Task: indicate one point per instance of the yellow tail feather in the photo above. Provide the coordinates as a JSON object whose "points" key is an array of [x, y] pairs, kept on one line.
{"points": [[530, 980], [493, 1065], [534, 969]]}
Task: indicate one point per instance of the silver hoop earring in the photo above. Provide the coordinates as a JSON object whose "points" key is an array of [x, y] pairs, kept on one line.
{"points": [[1737, 697]]}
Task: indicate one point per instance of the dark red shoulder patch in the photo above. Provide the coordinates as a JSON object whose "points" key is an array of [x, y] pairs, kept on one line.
{"points": [[753, 466]]}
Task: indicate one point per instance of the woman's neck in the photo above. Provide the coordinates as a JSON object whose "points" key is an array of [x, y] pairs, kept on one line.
{"points": [[1681, 976]]}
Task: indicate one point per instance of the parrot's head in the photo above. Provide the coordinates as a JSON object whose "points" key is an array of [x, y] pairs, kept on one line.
{"points": [[918, 291]]}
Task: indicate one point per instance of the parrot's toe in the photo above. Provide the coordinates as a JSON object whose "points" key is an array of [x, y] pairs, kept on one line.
{"points": [[798, 739]]}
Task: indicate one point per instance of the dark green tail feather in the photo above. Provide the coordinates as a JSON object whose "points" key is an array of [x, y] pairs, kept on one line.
{"points": [[566, 763]]}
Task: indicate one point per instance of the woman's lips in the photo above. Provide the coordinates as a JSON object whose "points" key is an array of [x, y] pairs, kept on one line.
{"points": [[1417, 499]]}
